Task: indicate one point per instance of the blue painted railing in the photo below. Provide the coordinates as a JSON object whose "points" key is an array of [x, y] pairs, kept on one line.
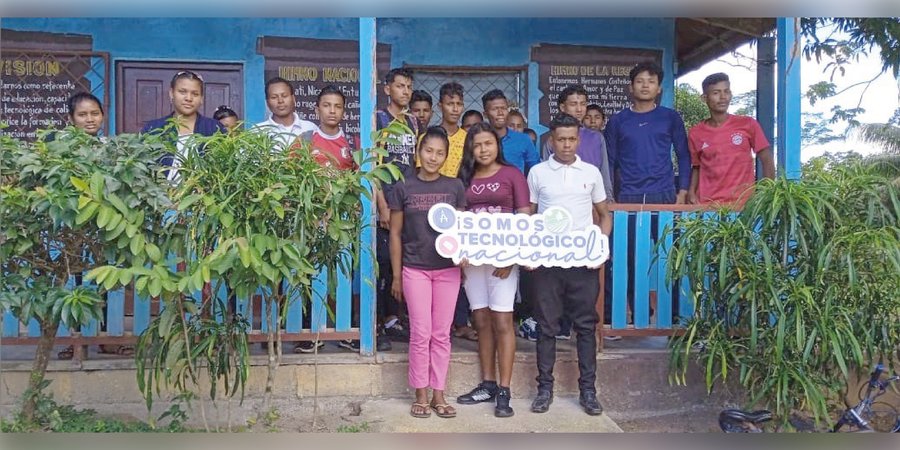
{"points": [[659, 306], [128, 315]]}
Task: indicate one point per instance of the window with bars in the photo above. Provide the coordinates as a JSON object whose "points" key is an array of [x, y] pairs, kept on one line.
{"points": [[37, 84], [476, 81]]}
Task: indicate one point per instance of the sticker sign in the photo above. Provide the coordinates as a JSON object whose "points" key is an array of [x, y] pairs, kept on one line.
{"points": [[502, 239]]}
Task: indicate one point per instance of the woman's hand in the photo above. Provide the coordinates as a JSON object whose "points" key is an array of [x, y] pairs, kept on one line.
{"points": [[502, 272], [397, 289]]}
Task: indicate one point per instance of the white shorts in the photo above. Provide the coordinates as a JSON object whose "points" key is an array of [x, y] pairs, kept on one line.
{"points": [[484, 290]]}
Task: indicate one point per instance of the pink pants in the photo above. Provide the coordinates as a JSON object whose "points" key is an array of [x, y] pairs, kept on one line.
{"points": [[430, 297]]}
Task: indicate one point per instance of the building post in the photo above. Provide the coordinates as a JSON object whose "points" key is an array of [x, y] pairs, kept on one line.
{"points": [[787, 31], [765, 90], [367, 85]]}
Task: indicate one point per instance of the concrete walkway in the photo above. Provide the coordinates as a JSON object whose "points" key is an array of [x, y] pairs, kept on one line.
{"points": [[392, 416]]}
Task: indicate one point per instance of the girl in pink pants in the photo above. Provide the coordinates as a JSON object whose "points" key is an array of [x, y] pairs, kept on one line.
{"points": [[426, 281]]}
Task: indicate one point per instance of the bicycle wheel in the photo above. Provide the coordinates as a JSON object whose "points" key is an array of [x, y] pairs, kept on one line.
{"points": [[882, 417]]}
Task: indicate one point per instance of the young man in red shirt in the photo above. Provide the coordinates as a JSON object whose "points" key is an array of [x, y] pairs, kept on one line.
{"points": [[722, 149], [328, 144]]}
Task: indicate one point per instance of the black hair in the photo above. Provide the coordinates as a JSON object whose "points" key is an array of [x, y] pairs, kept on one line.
{"points": [[467, 166], [493, 94], [595, 107], [223, 112], [434, 132], [472, 112], [564, 121], [276, 80], [398, 72], [531, 133], [421, 96], [330, 90], [186, 75], [450, 89], [571, 90], [79, 97], [714, 79], [649, 67]]}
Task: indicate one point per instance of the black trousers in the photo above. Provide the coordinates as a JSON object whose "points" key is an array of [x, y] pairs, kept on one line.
{"points": [[571, 293], [386, 304], [461, 313]]}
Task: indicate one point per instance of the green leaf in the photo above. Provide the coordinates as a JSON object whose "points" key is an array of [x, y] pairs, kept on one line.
{"points": [[83, 201], [141, 283], [124, 276], [86, 214], [152, 251], [118, 203], [97, 185], [154, 287], [226, 219], [244, 254], [79, 184], [176, 351], [137, 244], [187, 201], [166, 319], [105, 216]]}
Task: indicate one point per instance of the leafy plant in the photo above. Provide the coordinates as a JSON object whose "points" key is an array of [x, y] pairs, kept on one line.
{"points": [[45, 237], [247, 217], [51, 416], [362, 427], [796, 290]]}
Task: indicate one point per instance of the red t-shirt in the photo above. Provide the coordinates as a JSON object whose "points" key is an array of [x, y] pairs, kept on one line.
{"points": [[329, 151], [725, 158]]}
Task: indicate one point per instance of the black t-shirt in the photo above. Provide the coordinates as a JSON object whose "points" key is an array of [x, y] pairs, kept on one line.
{"points": [[403, 152], [415, 197]]}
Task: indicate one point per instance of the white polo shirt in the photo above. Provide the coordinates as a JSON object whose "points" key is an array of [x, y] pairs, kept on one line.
{"points": [[575, 187], [285, 135]]}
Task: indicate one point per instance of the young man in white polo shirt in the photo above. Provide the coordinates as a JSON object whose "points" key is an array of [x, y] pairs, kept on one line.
{"points": [[564, 180], [284, 125]]}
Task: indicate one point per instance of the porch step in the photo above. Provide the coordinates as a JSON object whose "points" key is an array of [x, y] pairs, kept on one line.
{"points": [[632, 379]]}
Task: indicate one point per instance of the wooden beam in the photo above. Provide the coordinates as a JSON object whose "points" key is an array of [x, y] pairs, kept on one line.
{"points": [[714, 23], [708, 45]]}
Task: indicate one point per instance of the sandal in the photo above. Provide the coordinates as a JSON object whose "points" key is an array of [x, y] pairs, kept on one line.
{"points": [[466, 332], [443, 410], [420, 410], [66, 353], [122, 350]]}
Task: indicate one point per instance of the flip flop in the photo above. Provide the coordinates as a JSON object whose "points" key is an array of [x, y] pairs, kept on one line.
{"points": [[443, 410], [423, 415]]}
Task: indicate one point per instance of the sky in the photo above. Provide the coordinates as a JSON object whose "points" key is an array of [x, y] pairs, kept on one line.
{"points": [[880, 100]]}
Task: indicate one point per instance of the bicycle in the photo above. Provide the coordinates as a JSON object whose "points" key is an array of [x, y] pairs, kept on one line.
{"points": [[738, 421]]}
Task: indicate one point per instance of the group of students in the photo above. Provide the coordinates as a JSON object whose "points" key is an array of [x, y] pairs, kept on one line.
{"points": [[583, 170], [488, 166], [483, 169]]}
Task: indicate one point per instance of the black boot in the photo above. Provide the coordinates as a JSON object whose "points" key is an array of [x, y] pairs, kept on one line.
{"points": [[503, 409], [590, 404]]}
